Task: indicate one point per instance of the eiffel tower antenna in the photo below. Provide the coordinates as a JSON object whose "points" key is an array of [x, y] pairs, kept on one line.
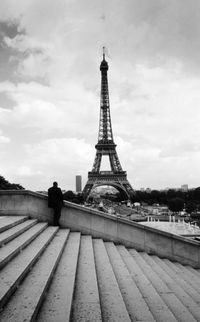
{"points": [[104, 52], [106, 146]]}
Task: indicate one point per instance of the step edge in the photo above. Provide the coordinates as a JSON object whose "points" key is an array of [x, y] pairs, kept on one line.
{"points": [[19, 280]]}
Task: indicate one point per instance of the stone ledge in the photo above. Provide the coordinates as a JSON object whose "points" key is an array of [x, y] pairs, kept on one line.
{"points": [[99, 224]]}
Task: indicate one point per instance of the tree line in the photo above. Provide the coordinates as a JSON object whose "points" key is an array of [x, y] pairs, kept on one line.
{"points": [[6, 185], [176, 200]]}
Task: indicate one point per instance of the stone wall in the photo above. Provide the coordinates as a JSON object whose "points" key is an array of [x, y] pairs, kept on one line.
{"points": [[101, 225]]}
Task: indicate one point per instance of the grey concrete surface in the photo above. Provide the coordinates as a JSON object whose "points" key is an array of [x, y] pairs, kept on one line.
{"points": [[86, 304], [176, 287], [157, 306], [179, 310], [100, 280], [15, 231], [188, 275], [25, 303], [101, 225], [15, 246], [7, 222], [112, 303], [14, 272], [133, 298], [58, 301]]}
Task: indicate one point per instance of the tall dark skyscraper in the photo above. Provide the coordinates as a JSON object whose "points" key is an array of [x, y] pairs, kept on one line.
{"points": [[78, 183]]}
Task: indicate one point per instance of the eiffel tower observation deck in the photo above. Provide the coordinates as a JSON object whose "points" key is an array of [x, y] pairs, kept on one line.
{"points": [[116, 177]]}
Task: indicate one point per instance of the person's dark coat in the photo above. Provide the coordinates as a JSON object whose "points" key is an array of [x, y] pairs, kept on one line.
{"points": [[55, 197]]}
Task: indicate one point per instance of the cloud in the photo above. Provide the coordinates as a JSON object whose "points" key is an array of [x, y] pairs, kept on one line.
{"points": [[26, 171], [5, 101], [4, 139], [46, 109], [61, 150], [148, 166], [50, 86], [147, 132], [159, 32], [148, 32], [57, 158], [181, 147]]}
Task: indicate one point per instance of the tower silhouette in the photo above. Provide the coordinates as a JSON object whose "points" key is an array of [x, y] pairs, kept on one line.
{"points": [[106, 146]]}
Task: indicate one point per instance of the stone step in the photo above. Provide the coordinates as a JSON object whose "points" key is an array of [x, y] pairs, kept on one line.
{"points": [[194, 271], [135, 303], [174, 304], [112, 304], [58, 301], [86, 303], [194, 294], [7, 222], [187, 276], [157, 306], [15, 231], [26, 301], [170, 279], [16, 245], [14, 272]]}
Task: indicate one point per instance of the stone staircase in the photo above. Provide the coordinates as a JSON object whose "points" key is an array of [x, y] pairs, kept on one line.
{"points": [[50, 274]]}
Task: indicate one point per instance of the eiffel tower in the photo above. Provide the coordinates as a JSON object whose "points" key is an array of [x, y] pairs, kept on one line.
{"points": [[106, 146]]}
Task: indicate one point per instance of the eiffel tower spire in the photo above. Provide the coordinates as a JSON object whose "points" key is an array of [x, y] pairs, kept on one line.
{"points": [[105, 128], [106, 146]]}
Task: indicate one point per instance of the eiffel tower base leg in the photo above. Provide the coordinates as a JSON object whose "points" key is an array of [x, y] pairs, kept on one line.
{"points": [[86, 191], [109, 179]]}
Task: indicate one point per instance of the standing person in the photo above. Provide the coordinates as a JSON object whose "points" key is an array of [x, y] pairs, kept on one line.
{"points": [[55, 201]]}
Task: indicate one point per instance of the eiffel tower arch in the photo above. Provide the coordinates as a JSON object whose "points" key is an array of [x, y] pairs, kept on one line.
{"points": [[106, 147]]}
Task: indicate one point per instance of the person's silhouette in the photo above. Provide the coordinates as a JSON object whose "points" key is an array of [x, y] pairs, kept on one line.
{"points": [[55, 201]]}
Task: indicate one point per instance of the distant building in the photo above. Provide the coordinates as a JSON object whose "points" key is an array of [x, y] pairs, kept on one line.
{"points": [[166, 189], [148, 190], [184, 187], [78, 183]]}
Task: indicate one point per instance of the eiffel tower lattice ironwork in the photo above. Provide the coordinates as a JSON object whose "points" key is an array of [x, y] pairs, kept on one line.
{"points": [[106, 146]]}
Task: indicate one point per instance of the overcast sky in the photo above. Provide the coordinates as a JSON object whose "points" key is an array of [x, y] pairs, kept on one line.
{"points": [[50, 52]]}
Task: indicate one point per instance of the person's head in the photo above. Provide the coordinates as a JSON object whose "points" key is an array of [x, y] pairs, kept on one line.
{"points": [[55, 184]]}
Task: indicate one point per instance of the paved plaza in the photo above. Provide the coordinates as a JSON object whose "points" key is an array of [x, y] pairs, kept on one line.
{"points": [[177, 228]]}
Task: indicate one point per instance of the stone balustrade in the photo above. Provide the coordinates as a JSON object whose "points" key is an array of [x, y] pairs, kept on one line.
{"points": [[101, 225]]}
